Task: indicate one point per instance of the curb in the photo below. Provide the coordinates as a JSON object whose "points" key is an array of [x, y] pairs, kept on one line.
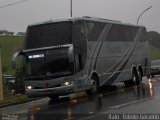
{"points": [[12, 104]]}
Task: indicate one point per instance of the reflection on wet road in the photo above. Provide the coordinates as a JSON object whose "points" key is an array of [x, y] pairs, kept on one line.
{"points": [[110, 98]]}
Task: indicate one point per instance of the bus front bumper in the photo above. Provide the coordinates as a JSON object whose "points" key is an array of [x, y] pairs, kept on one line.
{"points": [[63, 90]]}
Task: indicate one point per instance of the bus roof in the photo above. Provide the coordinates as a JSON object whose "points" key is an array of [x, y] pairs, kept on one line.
{"points": [[95, 19]]}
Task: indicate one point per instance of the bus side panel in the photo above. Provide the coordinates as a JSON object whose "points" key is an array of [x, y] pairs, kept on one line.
{"points": [[120, 53], [110, 58]]}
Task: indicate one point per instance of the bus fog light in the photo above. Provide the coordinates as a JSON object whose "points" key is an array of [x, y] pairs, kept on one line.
{"points": [[29, 87]]}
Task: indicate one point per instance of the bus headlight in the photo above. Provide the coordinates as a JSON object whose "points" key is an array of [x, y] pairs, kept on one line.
{"points": [[66, 83], [29, 87]]}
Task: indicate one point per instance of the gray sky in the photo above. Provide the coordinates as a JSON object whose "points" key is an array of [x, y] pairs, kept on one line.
{"points": [[17, 17]]}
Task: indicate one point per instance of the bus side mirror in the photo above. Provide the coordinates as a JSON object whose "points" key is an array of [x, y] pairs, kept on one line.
{"points": [[14, 57], [71, 55]]}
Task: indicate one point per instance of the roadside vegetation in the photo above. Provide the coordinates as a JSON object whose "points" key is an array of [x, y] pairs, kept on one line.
{"points": [[154, 53], [8, 46], [154, 38], [154, 41], [14, 100]]}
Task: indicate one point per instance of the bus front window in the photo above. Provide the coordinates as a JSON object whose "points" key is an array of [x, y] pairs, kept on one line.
{"points": [[52, 63], [51, 34]]}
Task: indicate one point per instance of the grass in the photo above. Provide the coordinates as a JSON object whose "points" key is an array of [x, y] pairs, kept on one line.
{"points": [[9, 45], [14, 100], [154, 53]]}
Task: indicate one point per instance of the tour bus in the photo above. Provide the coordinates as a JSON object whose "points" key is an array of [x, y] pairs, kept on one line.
{"points": [[82, 54]]}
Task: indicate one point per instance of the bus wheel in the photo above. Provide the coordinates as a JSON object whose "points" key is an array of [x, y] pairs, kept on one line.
{"points": [[152, 75], [94, 86], [135, 77], [54, 97], [139, 76]]}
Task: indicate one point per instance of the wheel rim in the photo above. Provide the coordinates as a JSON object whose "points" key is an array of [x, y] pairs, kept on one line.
{"points": [[140, 76], [93, 85], [134, 78]]}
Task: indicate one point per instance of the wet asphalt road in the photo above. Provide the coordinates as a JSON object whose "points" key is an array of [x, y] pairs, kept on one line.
{"points": [[114, 99]]}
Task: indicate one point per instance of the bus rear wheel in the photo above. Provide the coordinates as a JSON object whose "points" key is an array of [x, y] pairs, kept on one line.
{"points": [[94, 86], [136, 77], [140, 76], [152, 75]]}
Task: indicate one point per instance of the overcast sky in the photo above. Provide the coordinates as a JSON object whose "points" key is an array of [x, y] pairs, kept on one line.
{"points": [[17, 17]]}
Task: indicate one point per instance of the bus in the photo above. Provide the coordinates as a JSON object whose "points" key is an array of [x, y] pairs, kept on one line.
{"points": [[82, 54]]}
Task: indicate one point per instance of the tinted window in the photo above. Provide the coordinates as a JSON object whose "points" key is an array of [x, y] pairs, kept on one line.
{"points": [[85, 31], [95, 31], [51, 63], [57, 61], [52, 34], [35, 65], [122, 33]]}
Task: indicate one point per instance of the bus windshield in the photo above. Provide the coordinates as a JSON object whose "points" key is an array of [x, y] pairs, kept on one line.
{"points": [[51, 63], [49, 34]]}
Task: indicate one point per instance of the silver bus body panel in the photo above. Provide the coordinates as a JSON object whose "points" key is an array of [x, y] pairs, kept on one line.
{"points": [[112, 61]]}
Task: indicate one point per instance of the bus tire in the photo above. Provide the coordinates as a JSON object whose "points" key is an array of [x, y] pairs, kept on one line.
{"points": [[152, 75], [135, 77], [94, 86], [140, 75], [148, 76]]}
